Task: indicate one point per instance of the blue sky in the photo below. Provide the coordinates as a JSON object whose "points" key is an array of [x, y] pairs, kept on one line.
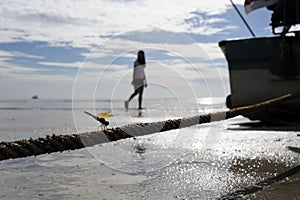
{"points": [[85, 49]]}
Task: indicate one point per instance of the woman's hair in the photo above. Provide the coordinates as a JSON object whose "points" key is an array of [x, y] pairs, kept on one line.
{"points": [[141, 57]]}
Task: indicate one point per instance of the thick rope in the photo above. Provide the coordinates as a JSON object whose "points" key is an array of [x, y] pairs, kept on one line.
{"points": [[56, 143]]}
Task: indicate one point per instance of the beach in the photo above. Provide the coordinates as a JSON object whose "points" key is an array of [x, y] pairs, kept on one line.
{"points": [[206, 161]]}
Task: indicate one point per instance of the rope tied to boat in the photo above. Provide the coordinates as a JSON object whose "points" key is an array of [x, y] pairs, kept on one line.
{"points": [[60, 143]]}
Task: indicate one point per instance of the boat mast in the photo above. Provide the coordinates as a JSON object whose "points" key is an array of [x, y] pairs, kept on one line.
{"points": [[245, 22]]}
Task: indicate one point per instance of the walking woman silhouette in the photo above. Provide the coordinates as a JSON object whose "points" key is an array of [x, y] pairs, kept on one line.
{"points": [[139, 79]]}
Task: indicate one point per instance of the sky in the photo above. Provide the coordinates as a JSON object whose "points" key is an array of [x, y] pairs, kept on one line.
{"points": [[86, 49]]}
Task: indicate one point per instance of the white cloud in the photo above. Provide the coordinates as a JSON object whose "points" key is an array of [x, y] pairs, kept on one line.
{"points": [[25, 72], [10, 69], [188, 58], [82, 22], [115, 26], [187, 48], [181, 67], [61, 64], [11, 54]]}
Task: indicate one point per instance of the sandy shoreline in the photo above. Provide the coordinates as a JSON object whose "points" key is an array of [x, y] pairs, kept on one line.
{"points": [[169, 169], [206, 161]]}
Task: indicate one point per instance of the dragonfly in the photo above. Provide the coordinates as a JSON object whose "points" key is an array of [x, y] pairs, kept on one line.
{"points": [[101, 117]]}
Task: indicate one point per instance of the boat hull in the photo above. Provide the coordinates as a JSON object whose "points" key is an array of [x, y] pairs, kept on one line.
{"points": [[261, 69]]}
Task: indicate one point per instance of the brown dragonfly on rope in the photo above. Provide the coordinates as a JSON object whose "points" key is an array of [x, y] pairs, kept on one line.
{"points": [[101, 118]]}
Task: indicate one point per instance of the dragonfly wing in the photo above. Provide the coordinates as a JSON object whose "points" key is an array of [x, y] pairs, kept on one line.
{"points": [[103, 114]]}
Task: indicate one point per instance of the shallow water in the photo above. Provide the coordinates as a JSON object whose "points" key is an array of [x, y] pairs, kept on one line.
{"points": [[206, 161]]}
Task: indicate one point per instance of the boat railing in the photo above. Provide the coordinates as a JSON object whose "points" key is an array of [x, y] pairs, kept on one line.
{"points": [[286, 13]]}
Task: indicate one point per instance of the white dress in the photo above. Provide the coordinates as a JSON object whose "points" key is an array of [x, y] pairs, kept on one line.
{"points": [[139, 78]]}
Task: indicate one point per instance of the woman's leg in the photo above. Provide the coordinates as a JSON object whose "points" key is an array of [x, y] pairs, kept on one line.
{"points": [[136, 91], [140, 91], [131, 97], [133, 94]]}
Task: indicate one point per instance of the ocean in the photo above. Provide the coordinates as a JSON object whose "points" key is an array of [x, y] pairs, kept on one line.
{"points": [[207, 161]]}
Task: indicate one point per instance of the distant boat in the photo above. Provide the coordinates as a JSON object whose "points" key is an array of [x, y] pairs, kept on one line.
{"points": [[267, 67], [35, 97]]}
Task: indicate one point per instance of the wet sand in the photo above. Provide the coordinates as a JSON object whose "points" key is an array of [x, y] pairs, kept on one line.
{"points": [[175, 165], [207, 161], [286, 189]]}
